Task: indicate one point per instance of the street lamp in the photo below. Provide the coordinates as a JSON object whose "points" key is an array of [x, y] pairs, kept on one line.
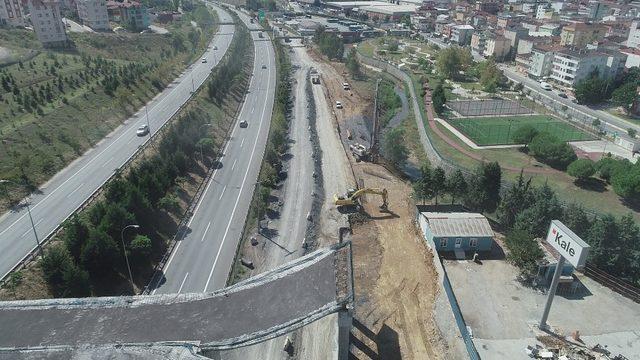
{"points": [[201, 155], [33, 226], [126, 258]]}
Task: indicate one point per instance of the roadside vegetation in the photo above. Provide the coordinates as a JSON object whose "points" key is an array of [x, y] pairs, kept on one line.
{"points": [[56, 105], [87, 257]]}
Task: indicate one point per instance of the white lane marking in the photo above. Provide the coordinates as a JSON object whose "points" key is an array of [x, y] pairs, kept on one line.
{"points": [[235, 206], [205, 232], [96, 157], [76, 189], [132, 138], [108, 161], [253, 108], [234, 164], [242, 143], [221, 194], [31, 229], [168, 263], [183, 280]]}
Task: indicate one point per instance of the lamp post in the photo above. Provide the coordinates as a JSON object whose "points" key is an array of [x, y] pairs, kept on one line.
{"points": [[201, 155], [33, 226], [148, 125], [126, 258]]}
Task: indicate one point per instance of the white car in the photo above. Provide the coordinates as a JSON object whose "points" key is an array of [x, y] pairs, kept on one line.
{"points": [[204, 60], [338, 105], [545, 86], [142, 130]]}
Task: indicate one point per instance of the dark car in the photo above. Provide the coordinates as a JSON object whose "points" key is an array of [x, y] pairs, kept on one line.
{"points": [[244, 124]]}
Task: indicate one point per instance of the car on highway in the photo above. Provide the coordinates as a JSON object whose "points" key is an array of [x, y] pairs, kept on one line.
{"points": [[338, 105], [204, 60], [545, 86], [244, 124], [264, 66], [562, 95], [142, 130], [215, 47]]}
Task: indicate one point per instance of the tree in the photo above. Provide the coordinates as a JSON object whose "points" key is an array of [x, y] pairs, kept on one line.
{"points": [[438, 98], [595, 123], [423, 188], [576, 219], [484, 188], [76, 282], [490, 76], [141, 247], [625, 96], [395, 148], [545, 207], [99, 254], [353, 65], [603, 238], [456, 185], [75, 235], [439, 182], [627, 183], [392, 46], [524, 135], [592, 90], [452, 61], [330, 43], [552, 151], [631, 132], [524, 251], [517, 198], [581, 169], [54, 262], [608, 166]]}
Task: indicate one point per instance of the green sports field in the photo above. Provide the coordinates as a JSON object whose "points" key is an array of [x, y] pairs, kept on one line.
{"points": [[500, 130]]}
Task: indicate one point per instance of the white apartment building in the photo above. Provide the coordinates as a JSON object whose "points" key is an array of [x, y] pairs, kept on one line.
{"points": [[461, 34], [540, 62], [11, 13], [93, 14], [570, 66], [634, 35], [47, 23]]}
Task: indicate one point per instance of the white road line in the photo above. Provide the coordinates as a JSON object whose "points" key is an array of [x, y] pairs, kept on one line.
{"points": [[76, 189], [222, 193], [234, 164], [31, 229], [205, 232], [242, 143], [183, 280], [235, 206], [106, 162], [87, 164]]}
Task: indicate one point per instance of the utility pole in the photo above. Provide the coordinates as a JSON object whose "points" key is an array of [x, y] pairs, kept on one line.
{"points": [[148, 125], [33, 225]]}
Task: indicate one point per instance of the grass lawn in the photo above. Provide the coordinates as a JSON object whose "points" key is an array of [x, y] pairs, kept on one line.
{"points": [[57, 104], [500, 130]]}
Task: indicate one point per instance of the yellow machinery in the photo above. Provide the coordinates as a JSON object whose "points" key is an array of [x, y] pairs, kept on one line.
{"points": [[351, 197]]}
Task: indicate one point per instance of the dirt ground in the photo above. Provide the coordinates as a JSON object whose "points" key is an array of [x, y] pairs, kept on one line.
{"points": [[395, 282]]}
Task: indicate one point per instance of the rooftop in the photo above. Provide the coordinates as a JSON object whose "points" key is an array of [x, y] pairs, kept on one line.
{"points": [[458, 224]]}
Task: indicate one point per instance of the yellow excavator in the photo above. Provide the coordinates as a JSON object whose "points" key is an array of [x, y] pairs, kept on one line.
{"points": [[352, 195]]}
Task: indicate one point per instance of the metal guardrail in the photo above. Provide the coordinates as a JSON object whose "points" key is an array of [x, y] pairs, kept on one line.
{"points": [[620, 286], [33, 254]]}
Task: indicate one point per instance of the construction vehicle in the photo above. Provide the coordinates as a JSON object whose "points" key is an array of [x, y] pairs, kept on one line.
{"points": [[315, 77], [359, 151], [352, 196]]}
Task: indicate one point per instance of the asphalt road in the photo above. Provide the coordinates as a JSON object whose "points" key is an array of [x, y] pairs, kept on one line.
{"points": [[610, 123], [201, 260], [67, 190]]}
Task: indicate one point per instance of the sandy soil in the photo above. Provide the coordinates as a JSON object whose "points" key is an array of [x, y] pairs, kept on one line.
{"points": [[394, 279]]}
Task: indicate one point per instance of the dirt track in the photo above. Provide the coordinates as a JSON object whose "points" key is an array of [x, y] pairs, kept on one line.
{"points": [[394, 279]]}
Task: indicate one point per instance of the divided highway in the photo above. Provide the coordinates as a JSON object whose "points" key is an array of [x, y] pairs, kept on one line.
{"points": [[68, 189], [201, 260]]}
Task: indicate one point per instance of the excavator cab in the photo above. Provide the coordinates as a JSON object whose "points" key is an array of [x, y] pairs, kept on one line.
{"points": [[352, 196]]}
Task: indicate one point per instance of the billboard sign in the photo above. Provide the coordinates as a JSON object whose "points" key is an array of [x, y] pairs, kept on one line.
{"points": [[568, 244]]}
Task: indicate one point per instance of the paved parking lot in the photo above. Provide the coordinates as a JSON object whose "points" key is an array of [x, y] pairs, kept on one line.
{"points": [[503, 314]]}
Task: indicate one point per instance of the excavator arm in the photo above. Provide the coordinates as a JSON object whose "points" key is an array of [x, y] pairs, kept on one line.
{"points": [[352, 200]]}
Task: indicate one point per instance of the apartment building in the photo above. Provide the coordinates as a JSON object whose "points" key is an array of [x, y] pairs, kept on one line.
{"points": [[461, 34], [11, 13], [541, 61], [497, 46], [572, 66], [129, 12], [633, 41], [578, 35], [47, 22], [93, 13]]}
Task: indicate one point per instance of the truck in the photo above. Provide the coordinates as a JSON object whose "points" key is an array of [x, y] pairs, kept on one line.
{"points": [[359, 151], [346, 86], [260, 35], [315, 77]]}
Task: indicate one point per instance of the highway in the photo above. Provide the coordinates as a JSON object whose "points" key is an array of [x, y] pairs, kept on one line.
{"points": [[67, 190], [201, 260]]}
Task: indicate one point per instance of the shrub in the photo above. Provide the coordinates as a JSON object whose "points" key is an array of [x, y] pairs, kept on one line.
{"points": [[552, 151]]}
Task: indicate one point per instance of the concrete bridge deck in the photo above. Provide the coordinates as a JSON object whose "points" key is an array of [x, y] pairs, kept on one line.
{"points": [[260, 308]]}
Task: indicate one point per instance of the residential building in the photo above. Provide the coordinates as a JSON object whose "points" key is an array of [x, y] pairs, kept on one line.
{"points": [[541, 61], [128, 12], [93, 14], [504, 21], [514, 34], [551, 28], [11, 13], [47, 22], [633, 41], [456, 231], [578, 35], [491, 7], [633, 57], [595, 10], [526, 44], [392, 12], [461, 34], [497, 46], [478, 42], [572, 66]]}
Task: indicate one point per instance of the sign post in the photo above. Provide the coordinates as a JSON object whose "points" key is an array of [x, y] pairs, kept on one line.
{"points": [[571, 248]]}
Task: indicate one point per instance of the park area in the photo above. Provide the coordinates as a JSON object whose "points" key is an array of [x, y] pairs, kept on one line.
{"points": [[500, 130]]}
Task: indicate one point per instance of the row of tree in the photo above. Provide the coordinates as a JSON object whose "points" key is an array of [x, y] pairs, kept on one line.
{"points": [[230, 69], [597, 88], [329, 43]]}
